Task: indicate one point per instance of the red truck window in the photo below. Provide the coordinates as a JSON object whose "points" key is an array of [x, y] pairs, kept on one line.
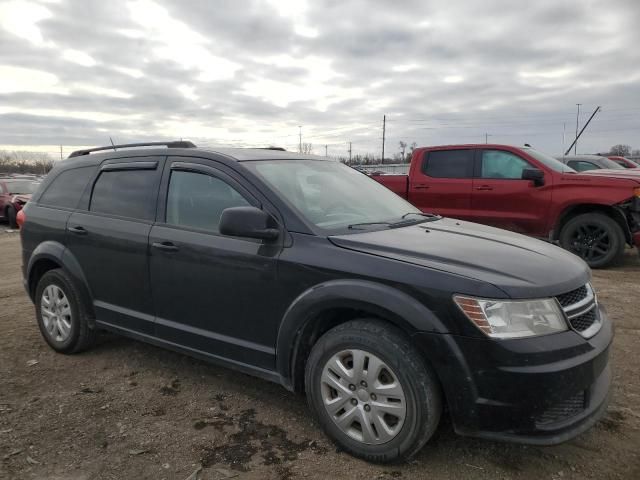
{"points": [[448, 164], [501, 164]]}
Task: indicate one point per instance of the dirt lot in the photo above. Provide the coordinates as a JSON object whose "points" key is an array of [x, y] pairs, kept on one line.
{"points": [[129, 410]]}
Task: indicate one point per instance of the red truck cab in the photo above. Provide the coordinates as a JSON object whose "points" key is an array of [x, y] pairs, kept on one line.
{"points": [[526, 191]]}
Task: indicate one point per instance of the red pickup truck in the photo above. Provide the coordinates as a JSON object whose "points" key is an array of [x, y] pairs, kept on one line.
{"points": [[526, 191]]}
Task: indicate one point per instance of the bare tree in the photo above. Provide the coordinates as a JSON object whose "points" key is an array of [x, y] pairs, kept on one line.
{"points": [[307, 148], [18, 161], [620, 150], [403, 147]]}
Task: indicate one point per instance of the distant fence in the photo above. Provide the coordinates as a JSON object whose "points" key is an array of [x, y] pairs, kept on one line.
{"points": [[396, 168]]}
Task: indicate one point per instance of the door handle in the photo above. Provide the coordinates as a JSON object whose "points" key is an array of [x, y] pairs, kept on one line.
{"points": [[77, 230], [165, 246], [420, 187], [484, 187]]}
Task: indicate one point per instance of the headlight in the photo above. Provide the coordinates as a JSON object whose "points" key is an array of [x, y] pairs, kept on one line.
{"points": [[513, 318]]}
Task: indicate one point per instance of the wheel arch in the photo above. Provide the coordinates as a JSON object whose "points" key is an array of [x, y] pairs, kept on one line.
{"points": [[613, 211], [332, 303], [50, 255]]}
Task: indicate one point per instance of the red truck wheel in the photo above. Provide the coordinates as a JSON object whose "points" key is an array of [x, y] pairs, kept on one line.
{"points": [[595, 237]]}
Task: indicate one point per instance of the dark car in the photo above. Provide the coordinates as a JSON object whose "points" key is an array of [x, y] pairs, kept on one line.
{"points": [[302, 271], [15, 192], [583, 163]]}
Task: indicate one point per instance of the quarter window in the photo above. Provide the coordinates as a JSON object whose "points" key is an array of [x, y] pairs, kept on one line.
{"points": [[197, 200], [449, 164], [501, 164], [66, 189], [126, 193]]}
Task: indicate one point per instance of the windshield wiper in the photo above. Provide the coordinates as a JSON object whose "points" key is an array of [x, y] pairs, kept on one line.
{"points": [[363, 224]]}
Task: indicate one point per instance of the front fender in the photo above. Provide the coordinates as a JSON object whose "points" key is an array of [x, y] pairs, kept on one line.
{"points": [[387, 302]]}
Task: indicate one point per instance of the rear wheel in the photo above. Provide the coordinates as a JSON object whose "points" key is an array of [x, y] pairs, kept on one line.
{"points": [[372, 392], [595, 237], [61, 316]]}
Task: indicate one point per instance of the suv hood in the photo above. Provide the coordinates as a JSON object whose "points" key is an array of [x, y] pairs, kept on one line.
{"points": [[520, 266], [629, 173]]}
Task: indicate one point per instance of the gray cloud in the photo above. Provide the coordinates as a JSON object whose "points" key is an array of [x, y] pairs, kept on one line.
{"points": [[443, 72]]}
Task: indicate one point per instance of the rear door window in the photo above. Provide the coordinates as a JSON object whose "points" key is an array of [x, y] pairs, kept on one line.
{"points": [[449, 164], [126, 193], [66, 189]]}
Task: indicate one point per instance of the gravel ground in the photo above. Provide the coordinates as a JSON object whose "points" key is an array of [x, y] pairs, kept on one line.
{"points": [[129, 410]]}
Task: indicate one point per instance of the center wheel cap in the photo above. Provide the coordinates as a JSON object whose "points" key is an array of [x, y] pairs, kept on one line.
{"points": [[363, 395]]}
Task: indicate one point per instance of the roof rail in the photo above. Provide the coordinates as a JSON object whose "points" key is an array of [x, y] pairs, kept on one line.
{"points": [[174, 144]]}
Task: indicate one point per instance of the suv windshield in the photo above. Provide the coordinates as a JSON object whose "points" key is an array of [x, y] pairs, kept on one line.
{"points": [[333, 196], [22, 186], [552, 163]]}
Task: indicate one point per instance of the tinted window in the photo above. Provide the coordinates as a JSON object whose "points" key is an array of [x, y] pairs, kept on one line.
{"points": [[449, 164], [66, 189], [500, 164], [581, 166], [197, 200], [127, 193]]}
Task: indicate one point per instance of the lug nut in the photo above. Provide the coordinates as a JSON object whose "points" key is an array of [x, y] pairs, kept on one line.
{"points": [[373, 397], [363, 383], [352, 387], [354, 401], [367, 408]]}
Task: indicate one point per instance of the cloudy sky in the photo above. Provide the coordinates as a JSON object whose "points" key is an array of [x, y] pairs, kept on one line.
{"points": [[248, 73]]}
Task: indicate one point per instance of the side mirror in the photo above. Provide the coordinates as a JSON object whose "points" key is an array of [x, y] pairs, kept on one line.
{"points": [[537, 176], [250, 222]]}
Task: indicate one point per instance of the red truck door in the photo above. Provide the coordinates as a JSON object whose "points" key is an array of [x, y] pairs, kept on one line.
{"points": [[441, 182], [502, 199]]}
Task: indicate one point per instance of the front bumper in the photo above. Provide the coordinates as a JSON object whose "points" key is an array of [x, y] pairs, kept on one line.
{"points": [[542, 390]]}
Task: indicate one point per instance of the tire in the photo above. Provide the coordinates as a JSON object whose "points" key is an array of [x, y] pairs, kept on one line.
{"points": [[595, 237], [68, 330], [421, 394], [11, 217]]}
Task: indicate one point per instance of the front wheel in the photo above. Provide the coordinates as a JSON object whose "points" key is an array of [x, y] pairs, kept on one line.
{"points": [[372, 392], [595, 237]]}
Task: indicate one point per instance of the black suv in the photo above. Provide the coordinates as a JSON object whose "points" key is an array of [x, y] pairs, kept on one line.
{"points": [[305, 272]]}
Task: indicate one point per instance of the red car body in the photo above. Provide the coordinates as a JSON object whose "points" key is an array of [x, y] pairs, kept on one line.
{"points": [[15, 192], [538, 209], [624, 161]]}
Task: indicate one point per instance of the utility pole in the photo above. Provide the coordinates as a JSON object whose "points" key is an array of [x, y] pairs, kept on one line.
{"points": [[575, 148], [583, 129], [349, 153], [60, 152], [384, 131], [486, 138], [564, 136], [325, 150], [300, 134]]}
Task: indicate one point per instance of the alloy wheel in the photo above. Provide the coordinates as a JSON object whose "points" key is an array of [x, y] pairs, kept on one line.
{"points": [[56, 313], [363, 396]]}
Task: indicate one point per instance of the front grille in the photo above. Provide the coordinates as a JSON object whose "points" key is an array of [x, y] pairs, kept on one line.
{"points": [[561, 411], [581, 310], [584, 321], [574, 296]]}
